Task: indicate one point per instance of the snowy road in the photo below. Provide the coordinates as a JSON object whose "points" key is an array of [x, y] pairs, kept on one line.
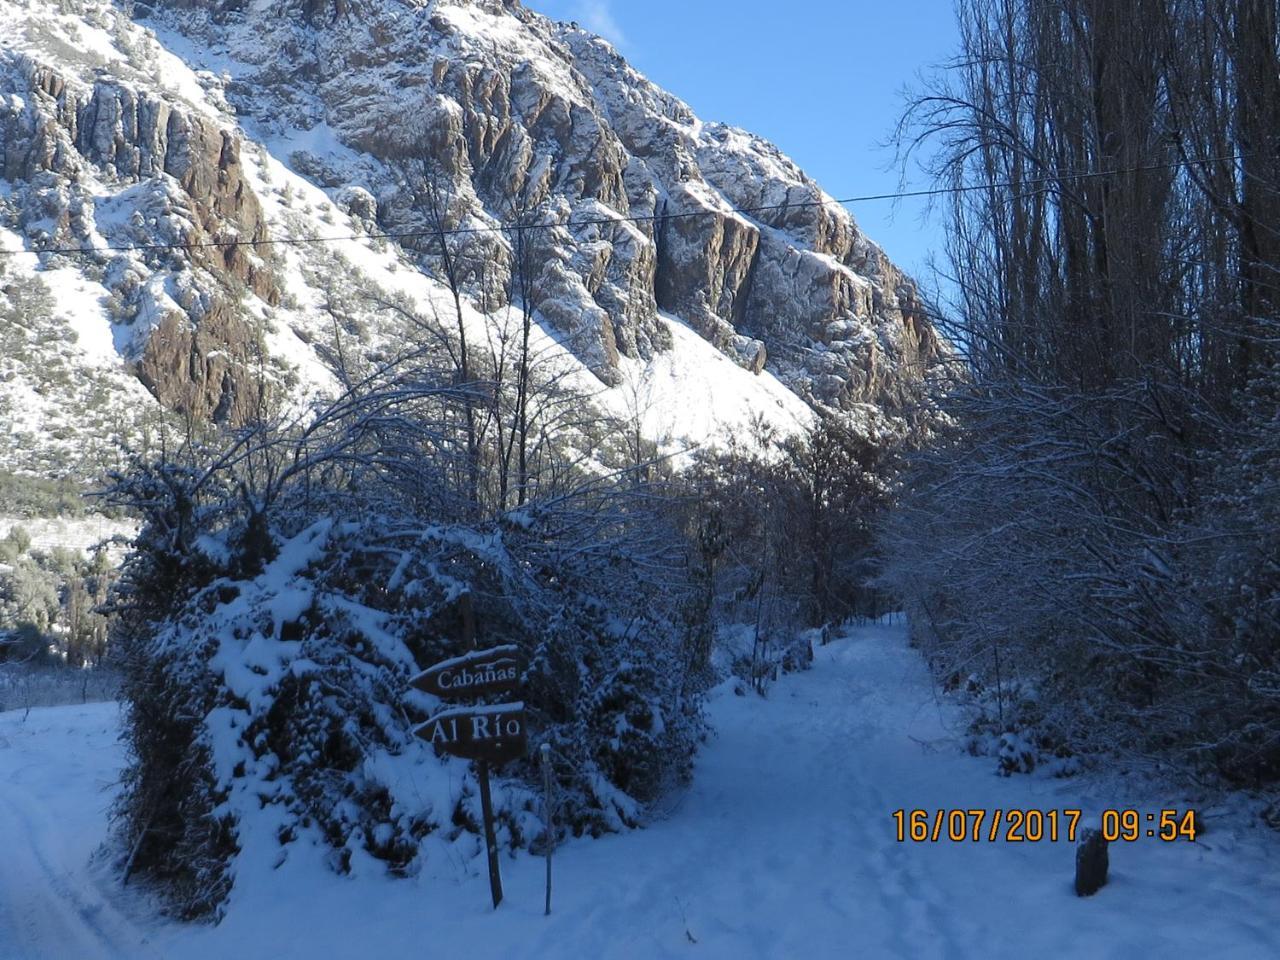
{"points": [[784, 847], [55, 789]]}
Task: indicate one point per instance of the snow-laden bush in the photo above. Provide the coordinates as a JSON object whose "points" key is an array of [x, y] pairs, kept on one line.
{"points": [[1126, 576], [285, 589]]}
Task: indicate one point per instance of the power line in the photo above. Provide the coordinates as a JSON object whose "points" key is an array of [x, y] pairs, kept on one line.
{"points": [[604, 221]]}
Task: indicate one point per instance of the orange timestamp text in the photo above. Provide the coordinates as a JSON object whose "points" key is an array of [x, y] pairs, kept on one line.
{"points": [[1032, 826]]}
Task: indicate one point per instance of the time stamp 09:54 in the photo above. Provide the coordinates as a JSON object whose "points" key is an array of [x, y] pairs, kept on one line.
{"points": [[1031, 826]]}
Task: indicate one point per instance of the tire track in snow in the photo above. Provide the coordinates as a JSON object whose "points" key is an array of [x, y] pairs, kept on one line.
{"points": [[864, 730], [55, 904], [50, 905]]}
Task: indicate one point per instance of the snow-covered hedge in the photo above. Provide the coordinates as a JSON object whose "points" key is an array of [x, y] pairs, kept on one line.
{"points": [[271, 628], [287, 691]]}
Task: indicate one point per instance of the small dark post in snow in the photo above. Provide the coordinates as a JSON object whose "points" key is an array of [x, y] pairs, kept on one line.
{"points": [[1091, 862], [490, 840], [545, 752]]}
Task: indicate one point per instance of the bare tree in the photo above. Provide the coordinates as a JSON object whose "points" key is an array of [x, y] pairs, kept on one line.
{"points": [[1114, 239]]}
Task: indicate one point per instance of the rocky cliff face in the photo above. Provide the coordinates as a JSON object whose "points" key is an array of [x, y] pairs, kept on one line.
{"points": [[553, 166], [60, 135]]}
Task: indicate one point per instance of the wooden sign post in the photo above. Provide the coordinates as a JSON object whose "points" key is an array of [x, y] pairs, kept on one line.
{"points": [[493, 733]]}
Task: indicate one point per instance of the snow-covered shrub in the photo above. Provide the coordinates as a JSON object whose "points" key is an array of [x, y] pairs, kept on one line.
{"points": [[287, 586], [1062, 542], [1016, 755], [1235, 571], [1008, 722]]}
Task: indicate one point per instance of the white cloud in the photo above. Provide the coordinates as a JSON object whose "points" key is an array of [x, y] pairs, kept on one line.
{"points": [[597, 16]]}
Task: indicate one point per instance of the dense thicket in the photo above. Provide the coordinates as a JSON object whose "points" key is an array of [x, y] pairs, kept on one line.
{"points": [[289, 579], [49, 604], [780, 533], [1093, 538]]}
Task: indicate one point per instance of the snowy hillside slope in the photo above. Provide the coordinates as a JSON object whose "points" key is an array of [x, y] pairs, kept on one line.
{"points": [[784, 847], [196, 132], [67, 403], [78, 535]]}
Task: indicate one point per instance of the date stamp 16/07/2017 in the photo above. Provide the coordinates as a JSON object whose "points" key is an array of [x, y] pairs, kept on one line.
{"points": [[1032, 826]]}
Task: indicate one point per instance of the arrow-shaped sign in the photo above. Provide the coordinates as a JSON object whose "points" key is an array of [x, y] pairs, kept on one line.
{"points": [[494, 733], [475, 674]]}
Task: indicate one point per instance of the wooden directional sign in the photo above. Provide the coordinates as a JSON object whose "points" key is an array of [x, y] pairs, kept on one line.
{"points": [[494, 734], [485, 734], [479, 673]]}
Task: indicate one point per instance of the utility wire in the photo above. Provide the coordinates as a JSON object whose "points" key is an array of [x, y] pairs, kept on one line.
{"points": [[640, 218]]}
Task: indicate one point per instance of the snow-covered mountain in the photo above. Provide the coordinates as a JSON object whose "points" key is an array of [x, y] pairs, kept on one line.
{"points": [[206, 135]]}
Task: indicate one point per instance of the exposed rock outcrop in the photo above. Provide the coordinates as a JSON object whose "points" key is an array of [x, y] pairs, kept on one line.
{"points": [[59, 131]]}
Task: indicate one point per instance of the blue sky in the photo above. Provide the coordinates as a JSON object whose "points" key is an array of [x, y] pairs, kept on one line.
{"points": [[820, 78]]}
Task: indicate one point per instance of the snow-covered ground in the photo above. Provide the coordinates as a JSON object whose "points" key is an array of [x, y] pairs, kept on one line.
{"points": [[77, 534], [783, 847]]}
